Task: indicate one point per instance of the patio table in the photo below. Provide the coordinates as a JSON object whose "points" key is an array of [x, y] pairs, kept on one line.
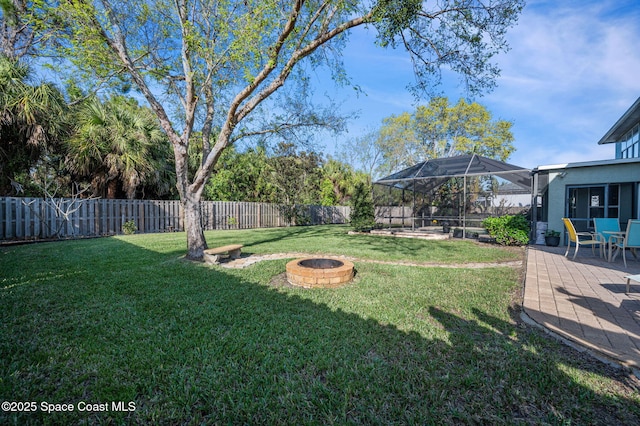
{"points": [[613, 236]]}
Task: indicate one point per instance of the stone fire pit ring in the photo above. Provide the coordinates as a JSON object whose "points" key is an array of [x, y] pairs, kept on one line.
{"points": [[319, 272]]}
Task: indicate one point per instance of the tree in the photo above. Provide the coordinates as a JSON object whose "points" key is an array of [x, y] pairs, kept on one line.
{"points": [[286, 176], [447, 130], [296, 179], [218, 62], [327, 193], [242, 176], [17, 37], [363, 216], [442, 130], [397, 142], [118, 146], [295, 175], [33, 120], [338, 180], [364, 154]]}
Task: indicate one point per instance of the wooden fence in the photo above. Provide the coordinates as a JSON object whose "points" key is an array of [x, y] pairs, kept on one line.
{"points": [[36, 218]]}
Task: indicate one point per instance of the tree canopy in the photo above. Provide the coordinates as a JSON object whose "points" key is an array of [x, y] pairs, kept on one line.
{"points": [[119, 147], [33, 121], [18, 36], [113, 145], [284, 175], [440, 129]]}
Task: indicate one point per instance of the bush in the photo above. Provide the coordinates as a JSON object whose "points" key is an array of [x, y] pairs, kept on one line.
{"points": [[363, 216], [129, 227], [508, 230]]}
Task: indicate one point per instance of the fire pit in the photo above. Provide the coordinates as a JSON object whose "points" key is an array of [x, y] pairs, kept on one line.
{"points": [[319, 272]]}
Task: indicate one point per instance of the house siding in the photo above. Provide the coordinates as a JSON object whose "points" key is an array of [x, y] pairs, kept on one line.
{"points": [[560, 179]]}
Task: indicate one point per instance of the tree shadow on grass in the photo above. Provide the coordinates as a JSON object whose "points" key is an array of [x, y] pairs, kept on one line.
{"points": [[192, 344], [329, 239], [314, 235], [265, 236], [538, 373]]}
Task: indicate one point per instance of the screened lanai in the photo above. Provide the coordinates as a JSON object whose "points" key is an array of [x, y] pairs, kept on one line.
{"points": [[456, 191]]}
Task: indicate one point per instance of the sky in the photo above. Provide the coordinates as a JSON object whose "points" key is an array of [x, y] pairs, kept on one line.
{"points": [[572, 70]]}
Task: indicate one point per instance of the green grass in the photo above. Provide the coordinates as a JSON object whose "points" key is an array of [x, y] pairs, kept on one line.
{"points": [[332, 240], [125, 319]]}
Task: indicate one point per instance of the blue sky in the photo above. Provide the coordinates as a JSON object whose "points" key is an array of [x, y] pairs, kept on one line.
{"points": [[572, 71]]}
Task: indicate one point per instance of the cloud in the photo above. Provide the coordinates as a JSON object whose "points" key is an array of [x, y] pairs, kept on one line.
{"points": [[570, 74], [565, 49]]}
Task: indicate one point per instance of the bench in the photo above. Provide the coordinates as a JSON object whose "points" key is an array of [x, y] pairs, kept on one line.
{"points": [[213, 255]]}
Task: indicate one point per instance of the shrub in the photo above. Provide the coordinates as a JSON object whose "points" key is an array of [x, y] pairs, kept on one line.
{"points": [[508, 230], [363, 216], [129, 227]]}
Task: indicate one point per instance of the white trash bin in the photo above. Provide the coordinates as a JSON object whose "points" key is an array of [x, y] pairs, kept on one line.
{"points": [[541, 229]]}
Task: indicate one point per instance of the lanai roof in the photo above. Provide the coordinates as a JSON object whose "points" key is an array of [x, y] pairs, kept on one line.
{"points": [[430, 174]]}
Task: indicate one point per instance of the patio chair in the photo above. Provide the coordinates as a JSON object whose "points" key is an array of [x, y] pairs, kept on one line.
{"points": [[575, 238], [631, 240], [607, 229]]}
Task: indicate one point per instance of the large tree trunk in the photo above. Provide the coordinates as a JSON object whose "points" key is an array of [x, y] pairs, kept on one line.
{"points": [[196, 244]]}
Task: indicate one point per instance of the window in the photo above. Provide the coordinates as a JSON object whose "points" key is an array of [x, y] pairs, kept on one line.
{"points": [[589, 202], [630, 143]]}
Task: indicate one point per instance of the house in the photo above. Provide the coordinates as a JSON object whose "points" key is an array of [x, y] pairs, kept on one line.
{"points": [[587, 190]]}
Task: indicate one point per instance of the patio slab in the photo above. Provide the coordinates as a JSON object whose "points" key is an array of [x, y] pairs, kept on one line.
{"points": [[584, 301]]}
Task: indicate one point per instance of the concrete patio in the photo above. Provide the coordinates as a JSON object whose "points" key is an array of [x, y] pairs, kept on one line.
{"points": [[584, 301]]}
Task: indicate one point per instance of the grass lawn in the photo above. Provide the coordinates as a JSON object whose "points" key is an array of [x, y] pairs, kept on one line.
{"points": [[125, 319]]}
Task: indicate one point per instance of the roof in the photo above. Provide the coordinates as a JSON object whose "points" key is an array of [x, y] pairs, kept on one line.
{"points": [[597, 163], [623, 125], [432, 173]]}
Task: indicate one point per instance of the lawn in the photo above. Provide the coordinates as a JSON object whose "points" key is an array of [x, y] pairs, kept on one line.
{"points": [[102, 323]]}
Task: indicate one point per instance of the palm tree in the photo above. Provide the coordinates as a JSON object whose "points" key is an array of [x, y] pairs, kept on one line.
{"points": [[33, 120], [339, 181], [119, 147]]}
